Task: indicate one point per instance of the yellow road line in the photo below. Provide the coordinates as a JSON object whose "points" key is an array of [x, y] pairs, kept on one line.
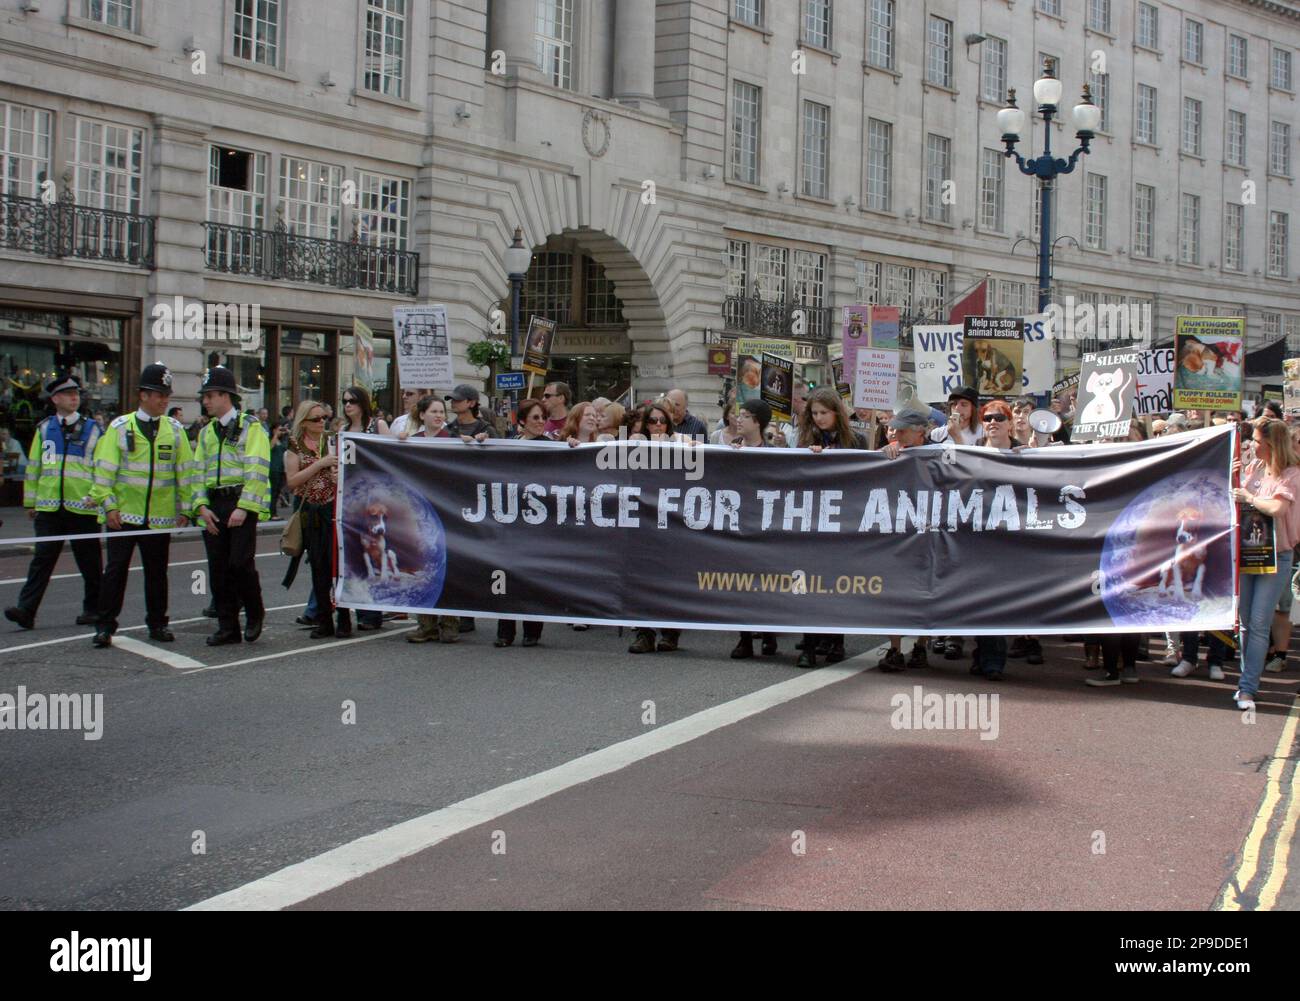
{"points": [[1277, 871], [1249, 865]]}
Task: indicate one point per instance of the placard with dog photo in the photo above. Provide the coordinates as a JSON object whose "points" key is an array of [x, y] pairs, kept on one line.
{"points": [[1290, 384], [993, 354], [749, 364], [778, 384], [1107, 390], [1211, 353], [1258, 551]]}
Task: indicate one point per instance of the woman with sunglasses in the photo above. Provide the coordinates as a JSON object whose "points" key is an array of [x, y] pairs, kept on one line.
{"points": [[1270, 483], [991, 651], [657, 425], [531, 418], [359, 418], [825, 424], [312, 476]]}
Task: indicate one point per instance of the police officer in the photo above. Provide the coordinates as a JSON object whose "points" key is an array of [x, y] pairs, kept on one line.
{"points": [[59, 476], [232, 490], [143, 480]]}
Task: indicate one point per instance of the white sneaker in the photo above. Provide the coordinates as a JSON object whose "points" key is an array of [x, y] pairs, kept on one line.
{"points": [[1183, 669], [1243, 700], [1277, 665], [1216, 672]]}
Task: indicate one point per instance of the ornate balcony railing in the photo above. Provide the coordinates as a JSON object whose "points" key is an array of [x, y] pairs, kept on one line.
{"points": [[279, 254], [66, 229], [776, 318]]}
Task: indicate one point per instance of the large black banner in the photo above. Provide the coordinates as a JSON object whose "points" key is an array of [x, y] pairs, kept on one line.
{"points": [[953, 540]]}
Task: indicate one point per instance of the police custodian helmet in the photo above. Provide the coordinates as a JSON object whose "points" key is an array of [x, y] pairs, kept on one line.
{"points": [[220, 378], [156, 377]]}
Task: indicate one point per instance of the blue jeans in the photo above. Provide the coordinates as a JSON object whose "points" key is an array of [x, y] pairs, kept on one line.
{"points": [[311, 609], [1259, 595]]}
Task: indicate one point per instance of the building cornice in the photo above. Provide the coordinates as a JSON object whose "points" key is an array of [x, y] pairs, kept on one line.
{"points": [[1290, 10]]}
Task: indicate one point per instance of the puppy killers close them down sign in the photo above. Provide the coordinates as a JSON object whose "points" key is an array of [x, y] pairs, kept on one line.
{"points": [[1107, 390]]}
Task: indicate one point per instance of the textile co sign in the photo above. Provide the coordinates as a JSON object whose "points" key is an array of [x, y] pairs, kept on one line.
{"points": [[864, 544]]}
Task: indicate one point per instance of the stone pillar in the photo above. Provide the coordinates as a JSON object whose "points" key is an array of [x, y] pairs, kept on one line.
{"points": [[512, 32], [179, 168], [634, 52]]}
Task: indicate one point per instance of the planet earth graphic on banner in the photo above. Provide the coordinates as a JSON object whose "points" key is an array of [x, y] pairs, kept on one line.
{"points": [[394, 545], [1170, 553]]}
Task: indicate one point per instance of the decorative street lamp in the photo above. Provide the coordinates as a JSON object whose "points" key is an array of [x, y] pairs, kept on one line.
{"points": [[518, 257], [1012, 120]]}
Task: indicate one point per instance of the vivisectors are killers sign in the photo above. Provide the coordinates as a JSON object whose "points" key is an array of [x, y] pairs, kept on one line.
{"points": [[955, 540]]}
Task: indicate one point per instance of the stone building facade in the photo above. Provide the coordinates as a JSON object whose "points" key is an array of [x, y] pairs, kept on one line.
{"points": [[685, 171]]}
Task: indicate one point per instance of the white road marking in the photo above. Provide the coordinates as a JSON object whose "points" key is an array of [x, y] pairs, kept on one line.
{"points": [[315, 647], [160, 654], [86, 636], [358, 858], [68, 576]]}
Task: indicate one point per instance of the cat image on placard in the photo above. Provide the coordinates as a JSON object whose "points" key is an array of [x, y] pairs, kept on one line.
{"points": [[1107, 389]]}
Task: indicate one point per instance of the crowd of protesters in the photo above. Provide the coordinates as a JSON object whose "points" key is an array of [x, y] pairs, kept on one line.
{"points": [[304, 474]]}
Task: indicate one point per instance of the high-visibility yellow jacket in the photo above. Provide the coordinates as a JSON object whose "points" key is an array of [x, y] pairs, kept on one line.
{"points": [[242, 458], [149, 483], [60, 468]]}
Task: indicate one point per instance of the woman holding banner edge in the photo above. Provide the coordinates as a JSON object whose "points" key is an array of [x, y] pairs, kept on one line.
{"points": [[1269, 484]]}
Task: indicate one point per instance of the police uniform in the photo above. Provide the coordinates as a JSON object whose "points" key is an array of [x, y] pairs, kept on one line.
{"points": [[144, 471], [232, 462], [59, 479]]}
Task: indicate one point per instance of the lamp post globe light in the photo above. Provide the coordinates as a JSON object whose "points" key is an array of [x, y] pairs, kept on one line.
{"points": [[1012, 121]]}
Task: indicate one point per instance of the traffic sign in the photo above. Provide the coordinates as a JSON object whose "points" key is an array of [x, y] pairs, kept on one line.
{"points": [[510, 380]]}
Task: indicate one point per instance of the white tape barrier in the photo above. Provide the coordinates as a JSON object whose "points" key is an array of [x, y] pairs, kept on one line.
{"points": [[28, 540]]}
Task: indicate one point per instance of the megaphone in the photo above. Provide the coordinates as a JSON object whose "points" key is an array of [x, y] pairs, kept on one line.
{"points": [[907, 403], [1044, 423]]}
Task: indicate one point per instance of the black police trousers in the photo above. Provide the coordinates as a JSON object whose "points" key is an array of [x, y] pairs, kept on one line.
{"points": [[232, 567], [154, 552], [84, 551]]}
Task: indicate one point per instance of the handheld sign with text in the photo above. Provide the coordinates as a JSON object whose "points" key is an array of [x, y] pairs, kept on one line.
{"points": [[423, 345], [1155, 382], [884, 326], [1211, 354], [1108, 387], [875, 382], [537, 346], [993, 354], [749, 364], [939, 351], [1258, 552], [855, 334], [778, 384], [1291, 384]]}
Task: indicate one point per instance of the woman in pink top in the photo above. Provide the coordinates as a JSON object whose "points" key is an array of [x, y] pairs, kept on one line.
{"points": [[1270, 484]]}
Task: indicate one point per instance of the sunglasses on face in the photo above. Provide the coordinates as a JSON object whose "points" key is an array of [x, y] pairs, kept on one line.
{"points": [[655, 420], [347, 400], [313, 420], [995, 418]]}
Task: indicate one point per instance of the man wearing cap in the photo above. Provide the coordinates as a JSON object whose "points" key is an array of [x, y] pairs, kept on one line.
{"points": [[963, 427], [468, 425], [143, 482], [232, 490], [59, 476], [909, 425]]}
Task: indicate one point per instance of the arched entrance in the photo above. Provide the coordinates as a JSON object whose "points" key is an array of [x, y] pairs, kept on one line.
{"points": [[611, 336]]}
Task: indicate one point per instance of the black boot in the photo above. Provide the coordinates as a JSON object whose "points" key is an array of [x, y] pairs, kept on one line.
{"points": [[744, 649]]}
